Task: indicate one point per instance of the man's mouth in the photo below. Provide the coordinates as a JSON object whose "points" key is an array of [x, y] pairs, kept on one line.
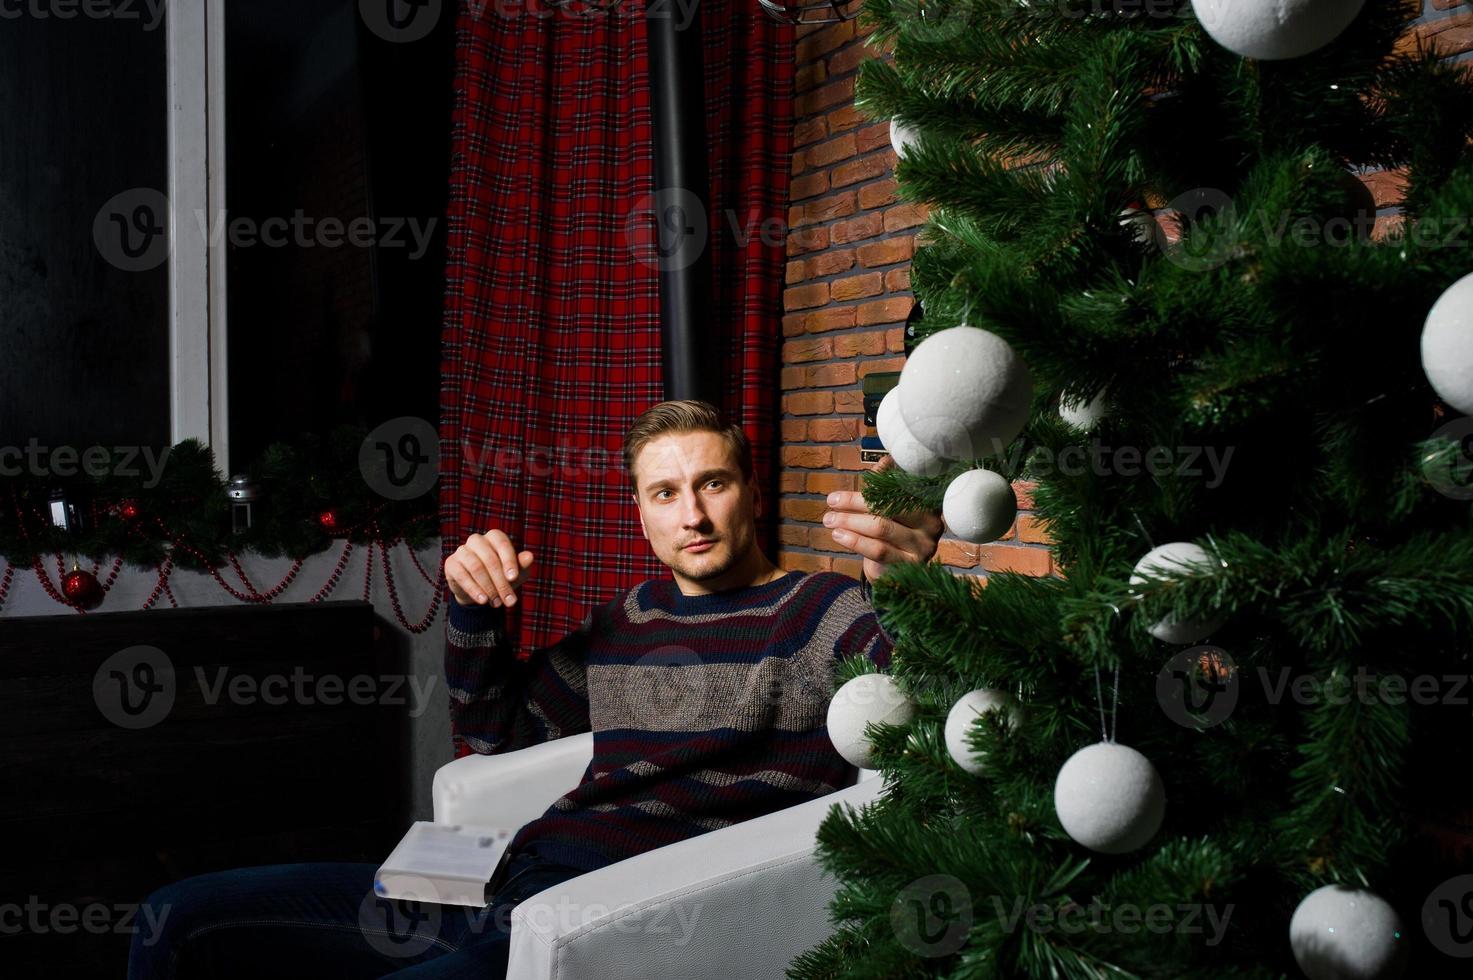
{"points": [[699, 545]]}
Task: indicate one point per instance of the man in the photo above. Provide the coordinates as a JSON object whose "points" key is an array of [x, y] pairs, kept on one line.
{"points": [[707, 695]]}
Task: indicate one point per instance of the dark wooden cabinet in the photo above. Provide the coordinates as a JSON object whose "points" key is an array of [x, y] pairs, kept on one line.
{"points": [[137, 748]]}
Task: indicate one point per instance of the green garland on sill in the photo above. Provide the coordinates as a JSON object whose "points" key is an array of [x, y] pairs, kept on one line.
{"points": [[298, 482]]}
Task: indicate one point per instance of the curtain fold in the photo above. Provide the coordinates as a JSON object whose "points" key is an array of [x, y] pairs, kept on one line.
{"points": [[551, 337]]}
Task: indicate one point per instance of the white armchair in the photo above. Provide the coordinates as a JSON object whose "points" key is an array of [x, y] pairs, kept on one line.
{"points": [[739, 902]]}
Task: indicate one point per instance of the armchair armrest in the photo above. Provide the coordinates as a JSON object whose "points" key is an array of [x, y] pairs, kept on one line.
{"points": [[739, 902], [510, 789]]}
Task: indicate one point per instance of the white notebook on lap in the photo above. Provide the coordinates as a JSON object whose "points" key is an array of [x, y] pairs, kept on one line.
{"points": [[448, 864]]}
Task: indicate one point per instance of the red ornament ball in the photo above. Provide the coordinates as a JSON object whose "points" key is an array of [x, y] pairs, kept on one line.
{"points": [[81, 588], [328, 519], [128, 509]]}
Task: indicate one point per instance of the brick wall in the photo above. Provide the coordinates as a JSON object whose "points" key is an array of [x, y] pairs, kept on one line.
{"points": [[848, 293], [847, 297]]}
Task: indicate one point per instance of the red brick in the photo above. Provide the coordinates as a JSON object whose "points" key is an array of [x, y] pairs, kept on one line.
{"points": [[894, 338], [803, 297], [807, 240], [1446, 35], [795, 271], [1447, 4], [794, 534], [847, 457], [791, 378], [831, 375], [833, 318], [794, 430], [798, 562], [857, 344], [793, 324], [1023, 490], [827, 483], [897, 280], [846, 117], [824, 96], [803, 510], [790, 481], [856, 287], [1015, 558], [834, 430], [1388, 187], [878, 194], [883, 364], [872, 137], [830, 262], [832, 151], [800, 163], [829, 208], [850, 402], [809, 130], [849, 58], [864, 226], [905, 216], [888, 252], [865, 168], [956, 554], [808, 76], [810, 403], [883, 311], [822, 42], [847, 566], [1032, 530], [812, 457], [808, 185], [1386, 225], [807, 349]]}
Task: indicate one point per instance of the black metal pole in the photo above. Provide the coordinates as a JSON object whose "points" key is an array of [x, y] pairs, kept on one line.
{"points": [[682, 200]]}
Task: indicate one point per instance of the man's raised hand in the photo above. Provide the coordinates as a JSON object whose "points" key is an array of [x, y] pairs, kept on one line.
{"points": [[487, 568]]}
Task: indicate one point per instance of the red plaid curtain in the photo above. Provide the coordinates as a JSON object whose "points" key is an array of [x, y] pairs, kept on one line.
{"points": [[551, 342]]}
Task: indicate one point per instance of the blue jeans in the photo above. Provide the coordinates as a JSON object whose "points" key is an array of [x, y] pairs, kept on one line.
{"points": [[320, 920]]}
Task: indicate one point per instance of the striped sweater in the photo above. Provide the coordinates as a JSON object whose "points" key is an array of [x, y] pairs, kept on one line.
{"points": [[705, 710]]}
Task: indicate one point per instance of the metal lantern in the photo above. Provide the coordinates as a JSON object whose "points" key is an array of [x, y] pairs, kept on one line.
{"points": [[798, 12], [242, 494], [65, 511]]}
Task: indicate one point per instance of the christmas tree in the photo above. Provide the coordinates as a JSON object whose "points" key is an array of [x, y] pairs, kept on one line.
{"points": [[1223, 741]]}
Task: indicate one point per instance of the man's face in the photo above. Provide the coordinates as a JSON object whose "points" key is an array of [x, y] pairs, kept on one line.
{"points": [[691, 488]]}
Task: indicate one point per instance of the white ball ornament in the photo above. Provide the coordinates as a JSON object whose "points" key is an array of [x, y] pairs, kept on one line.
{"points": [[1170, 558], [1343, 933], [908, 453], [967, 709], [964, 393], [902, 137], [1447, 345], [1275, 29], [1109, 798], [867, 698], [979, 506], [1084, 416]]}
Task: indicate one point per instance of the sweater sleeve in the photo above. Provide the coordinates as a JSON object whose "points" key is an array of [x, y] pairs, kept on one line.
{"points": [[863, 633], [499, 703]]}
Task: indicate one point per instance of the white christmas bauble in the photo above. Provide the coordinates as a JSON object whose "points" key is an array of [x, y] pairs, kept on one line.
{"points": [[979, 506], [902, 137], [908, 454], [1174, 557], [964, 393], [1084, 415], [1275, 29], [959, 720], [1109, 798], [1342, 933], [1447, 345], [867, 698]]}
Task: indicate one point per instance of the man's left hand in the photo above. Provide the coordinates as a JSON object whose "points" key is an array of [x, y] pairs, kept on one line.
{"points": [[882, 541]]}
